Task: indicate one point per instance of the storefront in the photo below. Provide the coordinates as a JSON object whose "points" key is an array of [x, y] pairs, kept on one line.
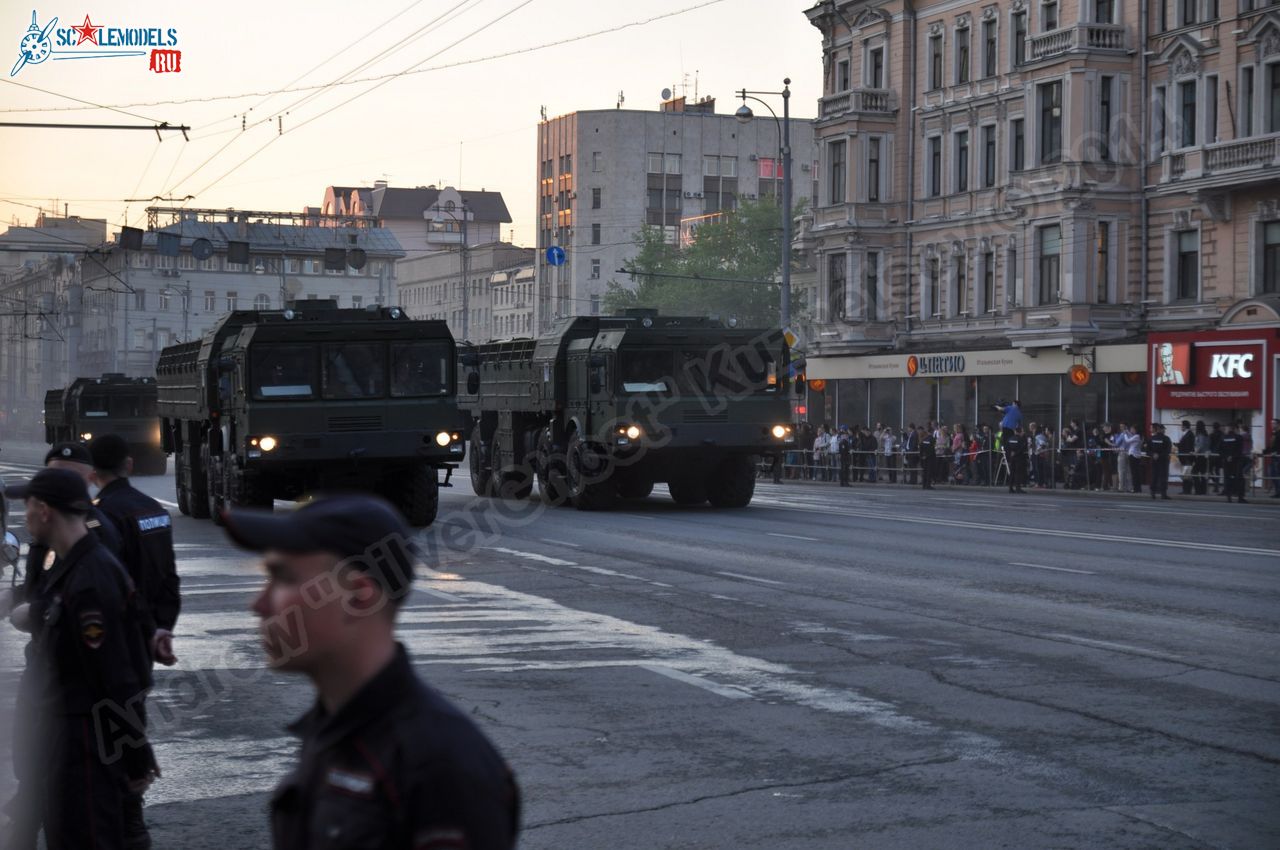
{"points": [[964, 386], [1216, 376]]}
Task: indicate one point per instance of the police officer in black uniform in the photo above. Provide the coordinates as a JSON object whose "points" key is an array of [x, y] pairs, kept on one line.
{"points": [[925, 443], [147, 533], [386, 761], [1015, 452], [1159, 447], [88, 668], [1231, 450]]}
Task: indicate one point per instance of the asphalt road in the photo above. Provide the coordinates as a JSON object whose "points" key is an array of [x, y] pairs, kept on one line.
{"points": [[869, 668]]}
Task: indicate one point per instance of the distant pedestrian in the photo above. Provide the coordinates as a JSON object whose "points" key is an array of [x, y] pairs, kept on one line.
{"points": [[1186, 457], [1015, 452], [386, 761], [1158, 448], [843, 444], [1273, 469], [1231, 449], [925, 442], [910, 454]]}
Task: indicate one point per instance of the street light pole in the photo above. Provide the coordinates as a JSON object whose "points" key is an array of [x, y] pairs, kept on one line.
{"points": [[745, 115]]}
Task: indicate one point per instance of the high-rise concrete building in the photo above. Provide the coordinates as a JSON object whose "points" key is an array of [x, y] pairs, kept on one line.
{"points": [[605, 174]]}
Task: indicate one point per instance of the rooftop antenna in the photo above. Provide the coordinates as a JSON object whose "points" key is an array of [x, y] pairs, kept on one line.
{"points": [[622, 98], [543, 111], [695, 85]]}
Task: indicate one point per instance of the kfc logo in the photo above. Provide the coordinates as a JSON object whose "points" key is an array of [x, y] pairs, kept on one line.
{"points": [[1231, 366]]}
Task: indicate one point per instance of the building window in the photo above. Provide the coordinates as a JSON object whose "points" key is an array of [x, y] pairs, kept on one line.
{"points": [[595, 269], [1049, 15], [935, 286], [711, 166], [1246, 101], [1273, 117], [1210, 109], [842, 75], [962, 161], [210, 301], [1051, 122], [835, 154], [1103, 275], [673, 163], [935, 62], [935, 166], [1187, 113], [232, 300], [875, 71], [962, 55], [654, 163], [1050, 263], [595, 198], [989, 48], [1104, 118], [988, 156], [873, 169], [595, 234], [1188, 12], [262, 301], [1018, 143], [140, 299], [1271, 257], [836, 286], [1188, 264], [597, 161], [962, 285], [1019, 38], [989, 281], [1159, 131], [872, 297], [1103, 11], [163, 296]]}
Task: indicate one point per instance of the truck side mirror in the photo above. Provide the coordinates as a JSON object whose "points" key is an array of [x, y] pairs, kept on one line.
{"points": [[226, 364], [473, 383], [596, 361]]}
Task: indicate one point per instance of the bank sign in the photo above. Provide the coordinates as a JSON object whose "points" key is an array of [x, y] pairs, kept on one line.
{"points": [[1217, 374], [927, 365]]}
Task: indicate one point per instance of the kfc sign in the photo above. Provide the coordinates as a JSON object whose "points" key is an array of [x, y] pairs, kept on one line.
{"points": [[1231, 366]]}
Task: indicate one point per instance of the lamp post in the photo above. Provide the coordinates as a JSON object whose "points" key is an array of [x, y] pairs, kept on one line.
{"points": [[466, 287], [186, 304], [744, 116]]}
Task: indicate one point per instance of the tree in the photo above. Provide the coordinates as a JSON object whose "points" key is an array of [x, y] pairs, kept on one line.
{"points": [[729, 269]]}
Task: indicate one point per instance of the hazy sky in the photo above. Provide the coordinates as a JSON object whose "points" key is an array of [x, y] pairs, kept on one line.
{"points": [[473, 125]]}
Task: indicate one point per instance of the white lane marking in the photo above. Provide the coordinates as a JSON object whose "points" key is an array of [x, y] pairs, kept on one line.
{"points": [[750, 578], [696, 681], [724, 598], [211, 591], [226, 585], [1106, 644], [532, 556], [793, 536], [173, 505], [1055, 569], [561, 542], [440, 594], [1046, 532]]}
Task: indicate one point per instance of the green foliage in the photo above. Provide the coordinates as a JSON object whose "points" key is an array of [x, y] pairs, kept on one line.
{"points": [[743, 247]]}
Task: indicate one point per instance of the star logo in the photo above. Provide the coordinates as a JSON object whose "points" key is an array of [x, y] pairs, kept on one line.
{"points": [[87, 32]]}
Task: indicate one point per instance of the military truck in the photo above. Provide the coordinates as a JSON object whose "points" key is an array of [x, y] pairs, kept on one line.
{"points": [[601, 408], [111, 404], [279, 404]]}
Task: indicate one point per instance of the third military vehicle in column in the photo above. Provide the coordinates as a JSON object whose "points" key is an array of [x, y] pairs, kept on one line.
{"points": [[112, 404], [601, 408], [277, 404]]}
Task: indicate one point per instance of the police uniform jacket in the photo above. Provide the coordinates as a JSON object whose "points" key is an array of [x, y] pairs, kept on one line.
{"points": [[395, 767], [1015, 445], [927, 444], [1231, 447], [147, 533], [39, 562], [1159, 446]]}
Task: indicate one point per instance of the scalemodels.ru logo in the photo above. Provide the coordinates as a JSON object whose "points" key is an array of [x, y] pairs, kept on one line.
{"points": [[96, 41]]}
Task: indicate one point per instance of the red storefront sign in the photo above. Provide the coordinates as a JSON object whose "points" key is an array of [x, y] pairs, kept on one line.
{"points": [[1208, 371]]}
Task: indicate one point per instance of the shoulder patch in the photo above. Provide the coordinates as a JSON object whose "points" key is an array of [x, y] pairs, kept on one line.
{"points": [[350, 781], [153, 523], [92, 523], [441, 839], [91, 630]]}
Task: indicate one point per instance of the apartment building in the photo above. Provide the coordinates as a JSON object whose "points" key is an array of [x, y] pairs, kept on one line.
{"points": [[484, 292], [1033, 185]]}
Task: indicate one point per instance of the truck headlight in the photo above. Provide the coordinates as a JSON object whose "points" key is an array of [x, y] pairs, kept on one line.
{"points": [[267, 444], [86, 436], [633, 432], [780, 431], [443, 439]]}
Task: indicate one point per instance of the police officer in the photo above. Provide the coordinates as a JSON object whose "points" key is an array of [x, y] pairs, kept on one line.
{"points": [[147, 533], [1231, 450], [386, 761], [844, 444], [1158, 448], [1015, 452], [1186, 456], [88, 667], [926, 444]]}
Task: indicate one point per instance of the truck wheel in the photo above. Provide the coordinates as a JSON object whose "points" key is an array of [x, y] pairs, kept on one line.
{"points": [[197, 485], [552, 486], [211, 487], [585, 465], [507, 482], [481, 473], [184, 498], [687, 490], [732, 483], [420, 498], [635, 488]]}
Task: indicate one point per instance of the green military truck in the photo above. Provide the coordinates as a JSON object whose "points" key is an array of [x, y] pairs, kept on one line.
{"points": [[279, 404], [601, 408], [111, 404]]}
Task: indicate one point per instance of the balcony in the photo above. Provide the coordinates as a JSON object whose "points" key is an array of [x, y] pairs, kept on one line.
{"points": [[870, 101], [1081, 37], [1243, 153], [1237, 161]]}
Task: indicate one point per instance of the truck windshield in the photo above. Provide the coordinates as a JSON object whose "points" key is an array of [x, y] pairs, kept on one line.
{"points": [[645, 371], [94, 406], [283, 371], [727, 370], [420, 368], [355, 370]]}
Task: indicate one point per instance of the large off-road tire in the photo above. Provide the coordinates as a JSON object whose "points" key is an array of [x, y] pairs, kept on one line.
{"points": [[552, 486], [478, 464], [508, 481], [587, 490], [184, 497], [633, 487], [211, 477], [688, 490], [198, 494], [732, 483], [419, 498]]}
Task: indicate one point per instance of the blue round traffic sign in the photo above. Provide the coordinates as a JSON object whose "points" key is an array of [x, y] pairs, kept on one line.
{"points": [[555, 256]]}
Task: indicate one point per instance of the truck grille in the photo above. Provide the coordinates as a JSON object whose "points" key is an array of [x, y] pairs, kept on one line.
{"points": [[704, 416], [347, 424]]}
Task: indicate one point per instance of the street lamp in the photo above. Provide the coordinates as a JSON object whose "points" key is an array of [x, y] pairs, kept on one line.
{"points": [[186, 304], [462, 268], [745, 116]]}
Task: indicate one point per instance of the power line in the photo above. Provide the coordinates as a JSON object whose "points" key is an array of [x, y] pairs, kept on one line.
{"points": [[89, 104]]}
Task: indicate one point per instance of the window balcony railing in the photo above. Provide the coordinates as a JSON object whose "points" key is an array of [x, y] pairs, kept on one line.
{"points": [[1238, 157], [1077, 38], [873, 101]]}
